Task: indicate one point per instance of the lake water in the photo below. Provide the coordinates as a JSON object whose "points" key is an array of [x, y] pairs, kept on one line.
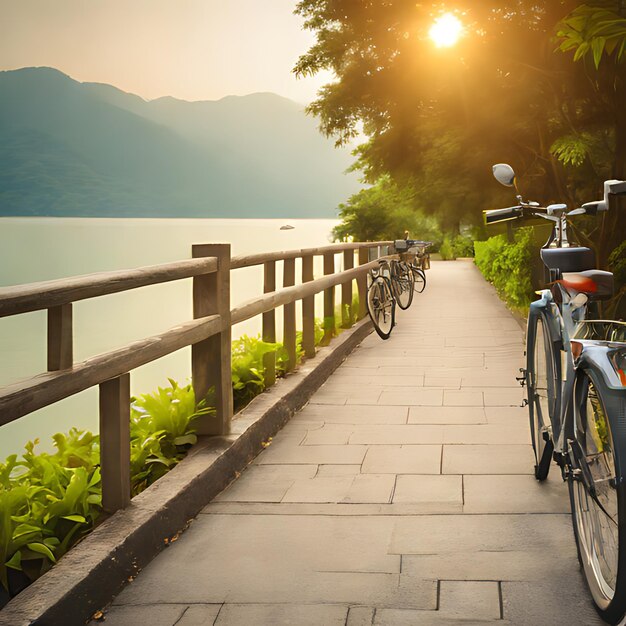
{"points": [[36, 249]]}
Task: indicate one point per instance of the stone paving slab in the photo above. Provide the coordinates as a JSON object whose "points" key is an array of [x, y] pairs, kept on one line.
{"points": [[487, 459], [429, 489], [402, 494], [514, 494], [529, 564], [282, 614], [353, 415], [420, 459], [447, 415]]}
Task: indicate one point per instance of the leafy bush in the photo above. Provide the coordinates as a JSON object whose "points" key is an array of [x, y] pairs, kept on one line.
{"points": [[455, 247], [161, 431], [247, 368], [47, 503], [50, 501], [508, 266]]}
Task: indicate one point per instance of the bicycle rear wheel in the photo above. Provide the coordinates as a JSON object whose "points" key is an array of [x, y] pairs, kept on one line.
{"points": [[402, 284], [419, 279], [599, 522], [381, 306], [542, 395]]}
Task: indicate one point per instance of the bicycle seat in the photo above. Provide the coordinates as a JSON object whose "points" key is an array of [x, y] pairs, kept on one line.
{"points": [[568, 259], [596, 284]]}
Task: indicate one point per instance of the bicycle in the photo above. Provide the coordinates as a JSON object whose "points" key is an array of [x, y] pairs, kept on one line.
{"points": [[575, 377], [401, 274], [420, 264], [381, 304]]}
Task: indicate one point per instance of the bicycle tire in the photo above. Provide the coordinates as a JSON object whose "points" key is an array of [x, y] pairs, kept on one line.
{"points": [[600, 534], [542, 385], [419, 279], [381, 306], [402, 285]]}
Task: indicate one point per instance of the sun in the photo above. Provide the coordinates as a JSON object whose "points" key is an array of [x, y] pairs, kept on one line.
{"points": [[446, 30]]}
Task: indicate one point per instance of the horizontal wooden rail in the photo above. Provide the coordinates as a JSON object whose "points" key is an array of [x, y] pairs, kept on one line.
{"points": [[250, 260], [52, 293], [27, 396], [270, 301]]}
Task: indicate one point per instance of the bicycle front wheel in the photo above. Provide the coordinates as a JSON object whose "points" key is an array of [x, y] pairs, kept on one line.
{"points": [[597, 500], [542, 395], [419, 279], [381, 306], [402, 285]]}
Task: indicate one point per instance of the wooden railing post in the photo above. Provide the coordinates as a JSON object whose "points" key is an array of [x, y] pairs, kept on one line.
{"points": [[60, 338], [115, 443], [308, 310], [211, 358], [346, 291], [269, 324], [329, 299], [289, 314], [361, 283]]}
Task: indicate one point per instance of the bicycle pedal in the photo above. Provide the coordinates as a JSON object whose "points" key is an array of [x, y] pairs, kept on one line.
{"points": [[524, 403]]}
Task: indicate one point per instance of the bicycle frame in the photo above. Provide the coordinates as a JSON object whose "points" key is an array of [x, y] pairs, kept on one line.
{"points": [[561, 323]]}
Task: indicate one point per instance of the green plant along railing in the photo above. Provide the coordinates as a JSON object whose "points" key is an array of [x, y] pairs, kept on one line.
{"points": [[48, 501]]}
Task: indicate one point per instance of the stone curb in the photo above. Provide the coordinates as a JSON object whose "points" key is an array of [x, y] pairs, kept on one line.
{"points": [[95, 571]]}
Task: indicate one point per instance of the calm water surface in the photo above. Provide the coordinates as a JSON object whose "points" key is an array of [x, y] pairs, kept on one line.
{"points": [[35, 249]]}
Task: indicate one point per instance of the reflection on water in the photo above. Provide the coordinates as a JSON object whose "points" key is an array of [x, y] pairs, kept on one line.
{"points": [[35, 249]]}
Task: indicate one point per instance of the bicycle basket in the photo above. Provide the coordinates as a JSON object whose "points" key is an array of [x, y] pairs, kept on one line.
{"points": [[408, 257]]}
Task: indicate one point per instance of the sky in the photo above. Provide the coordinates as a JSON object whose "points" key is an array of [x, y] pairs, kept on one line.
{"points": [[189, 49]]}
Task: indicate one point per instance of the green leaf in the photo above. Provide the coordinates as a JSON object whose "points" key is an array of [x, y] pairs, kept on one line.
{"points": [[597, 47], [15, 562], [75, 518], [184, 440], [42, 549]]}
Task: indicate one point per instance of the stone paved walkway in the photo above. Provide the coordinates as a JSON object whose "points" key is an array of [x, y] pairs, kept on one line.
{"points": [[401, 494]]}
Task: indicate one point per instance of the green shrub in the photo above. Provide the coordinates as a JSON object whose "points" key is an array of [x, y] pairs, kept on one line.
{"points": [[507, 266], [463, 246], [454, 247], [50, 501], [161, 431], [247, 367], [445, 250]]}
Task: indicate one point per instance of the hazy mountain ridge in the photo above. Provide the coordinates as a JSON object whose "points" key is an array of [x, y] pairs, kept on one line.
{"points": [[70, 148]]}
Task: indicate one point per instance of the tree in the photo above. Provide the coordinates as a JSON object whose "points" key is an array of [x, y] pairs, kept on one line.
{"points": [[497, 96], [436, 120], [384, 212], [597, 37]]}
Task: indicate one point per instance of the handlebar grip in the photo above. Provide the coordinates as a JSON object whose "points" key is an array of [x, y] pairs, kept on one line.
{"points": [[494, 216], [617, 187]]}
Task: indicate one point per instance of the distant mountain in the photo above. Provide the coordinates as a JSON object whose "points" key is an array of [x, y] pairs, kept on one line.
{"points": [[86, 149]]}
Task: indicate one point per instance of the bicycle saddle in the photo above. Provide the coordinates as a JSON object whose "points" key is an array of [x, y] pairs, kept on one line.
{"points": [[568, 259], [596, 284]]}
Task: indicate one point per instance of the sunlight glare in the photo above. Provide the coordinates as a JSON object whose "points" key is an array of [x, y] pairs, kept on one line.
{"points": [[446, 30]]}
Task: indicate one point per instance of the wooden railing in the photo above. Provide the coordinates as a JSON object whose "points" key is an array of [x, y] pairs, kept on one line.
{"points": [[208, 334]]}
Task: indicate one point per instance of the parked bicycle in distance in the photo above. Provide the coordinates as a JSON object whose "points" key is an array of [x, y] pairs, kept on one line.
{"points": [[575, 377], [395, 281]]}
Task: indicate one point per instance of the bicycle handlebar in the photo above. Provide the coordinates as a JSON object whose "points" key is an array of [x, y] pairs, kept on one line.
{"points": [[402, 245], [494, 216], [531, 210]]}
